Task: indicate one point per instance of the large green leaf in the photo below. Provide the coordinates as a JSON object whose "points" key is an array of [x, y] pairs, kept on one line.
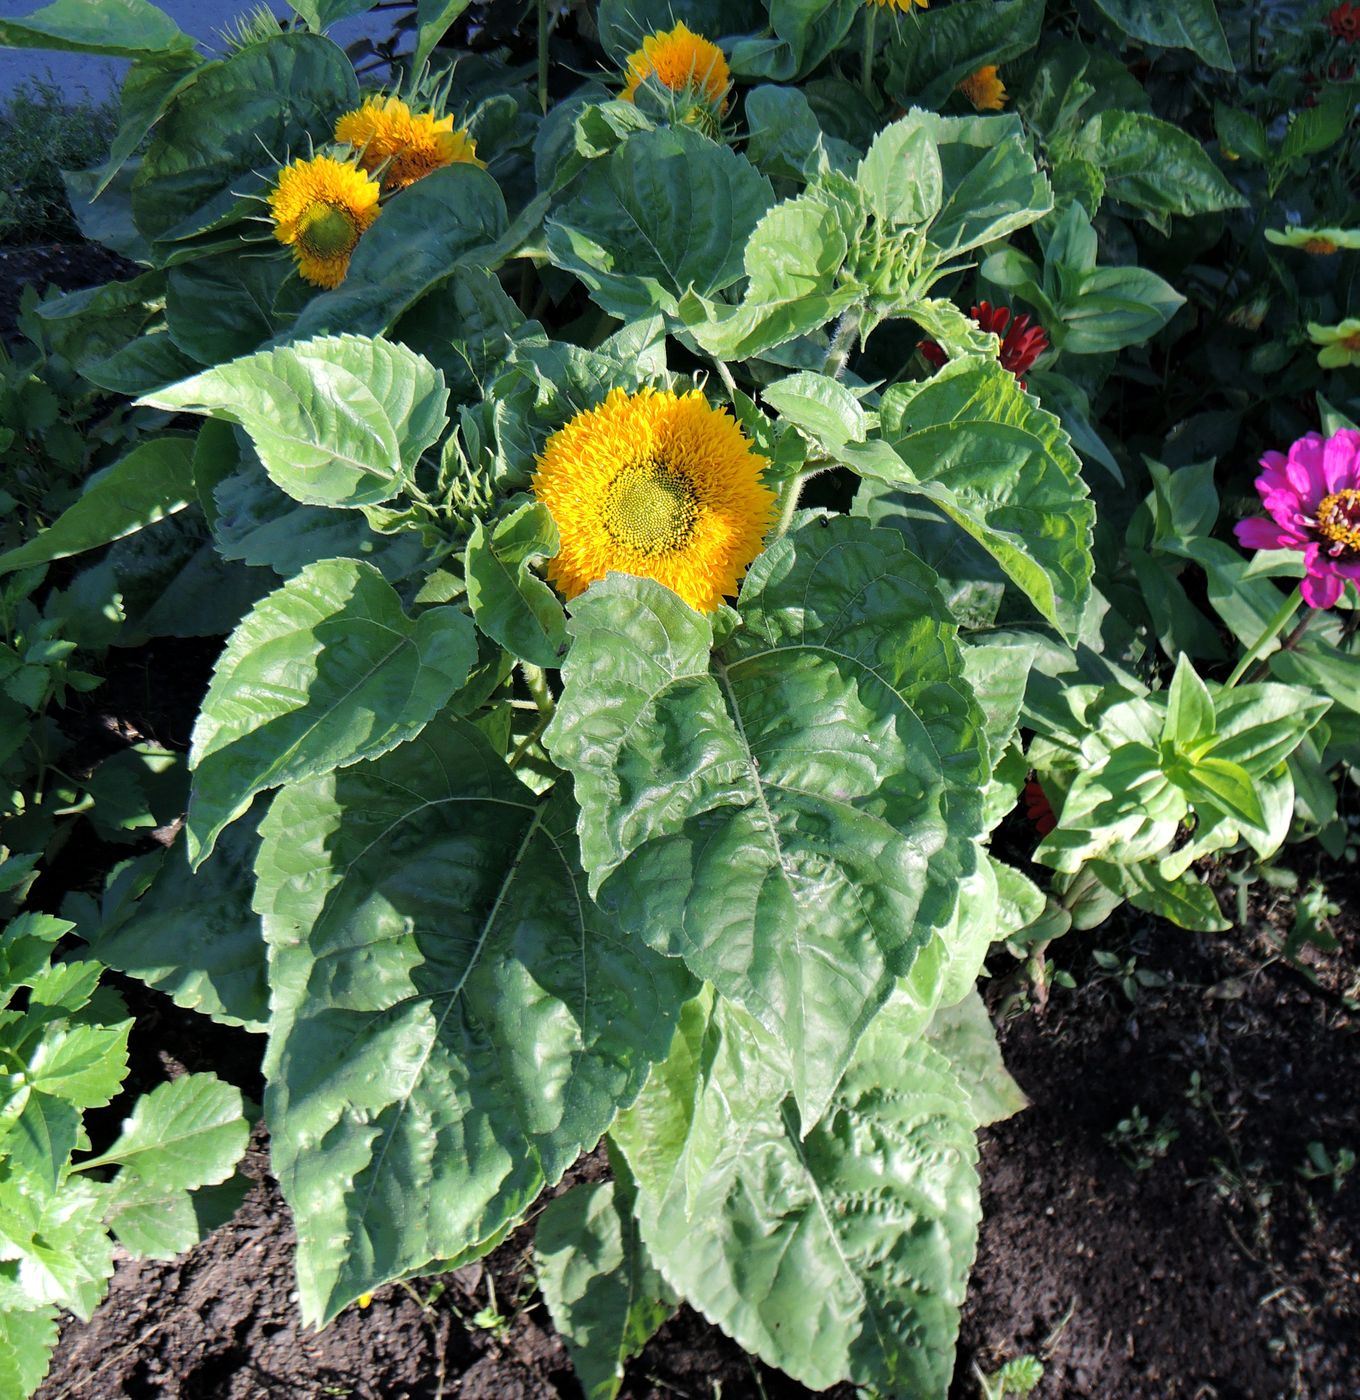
{"points": [[1155, 166], [603, 1292], [193, 935], [926, 59], [804, 33], [985, 454], [433, 19], [27, 1338], [668, 211], [1188, 24], [512, 605], [154, 480], [792, 262], [324, 672], [321, 14], [152, 83], [226, 306], [268, 100], [115, 28], [184, 1134], [337, 421], [836, 1254], [448, 217], [453, 1017], [792, 817], [964, 1035]]}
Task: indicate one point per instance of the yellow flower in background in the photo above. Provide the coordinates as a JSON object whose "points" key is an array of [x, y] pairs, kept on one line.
{"points": [[659, 485], [679, 59], [321, 208], [408, 146], [1340, 344], [903, 5], [984, 89], [1317, 241]]}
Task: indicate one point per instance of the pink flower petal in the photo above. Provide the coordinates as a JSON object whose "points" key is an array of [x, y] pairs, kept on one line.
{"points": [[1259, 533], [1321, 590], [1341, 460], [1304, 469]]}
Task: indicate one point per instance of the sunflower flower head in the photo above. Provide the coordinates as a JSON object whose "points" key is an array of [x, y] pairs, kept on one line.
{"points": [[984, 89], [320, 208], [903, 5], [685, 63], [1312, 501], [659, 485], [405, 146]]}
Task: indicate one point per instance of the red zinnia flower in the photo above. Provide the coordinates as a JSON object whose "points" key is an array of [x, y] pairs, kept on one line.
{"points": [[1038, 808], [1344, 22], [1021, 342]]}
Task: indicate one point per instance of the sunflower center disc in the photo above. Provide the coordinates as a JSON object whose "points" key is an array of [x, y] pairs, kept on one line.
{"points": [[1338, 518], [651, 508], [327, 231]]}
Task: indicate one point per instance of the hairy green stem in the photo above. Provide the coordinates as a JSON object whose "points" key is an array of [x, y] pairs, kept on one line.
{"points": [[788, 502], [536, 683], [543, 55], [1273, 629], [866, 79], [842, 342]]}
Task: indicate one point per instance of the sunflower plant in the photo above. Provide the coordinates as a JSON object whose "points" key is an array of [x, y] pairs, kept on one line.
{"points": [[647, 588]]}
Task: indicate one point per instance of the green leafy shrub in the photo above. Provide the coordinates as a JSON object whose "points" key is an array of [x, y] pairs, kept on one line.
{"points": [[524, 825]]}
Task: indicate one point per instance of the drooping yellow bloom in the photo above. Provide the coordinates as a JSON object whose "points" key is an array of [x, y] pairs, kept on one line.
{"points": [[321, 208], [679, 59], [1320, 242], [984, 89], [659, 485], [385, 132], [1340, 343], [903, 5]]}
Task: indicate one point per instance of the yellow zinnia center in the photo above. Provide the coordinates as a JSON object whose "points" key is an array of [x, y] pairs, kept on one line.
{"points": [[1338, 517], [651, 508], [1319, 246]]}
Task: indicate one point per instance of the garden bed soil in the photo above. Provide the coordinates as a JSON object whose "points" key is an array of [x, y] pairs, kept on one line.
{"points": [[1215, 1272]]}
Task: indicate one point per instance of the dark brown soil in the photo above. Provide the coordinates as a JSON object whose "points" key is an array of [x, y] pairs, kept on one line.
{"points": [[1215, 1271]]}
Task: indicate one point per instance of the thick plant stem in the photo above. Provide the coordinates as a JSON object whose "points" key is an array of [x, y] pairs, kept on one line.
{"points": [[1262, 668], [536, 683], [543, 55], [788, 503], [1273, 629], [866, 79], [842, 342]]}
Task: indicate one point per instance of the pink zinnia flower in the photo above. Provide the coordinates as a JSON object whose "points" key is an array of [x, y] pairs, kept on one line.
{"points": [[1021, 342], [1313, 500]]}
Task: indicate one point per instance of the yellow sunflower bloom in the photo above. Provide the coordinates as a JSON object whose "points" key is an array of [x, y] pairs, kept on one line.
{"points": [[321, 208], [984, 89], [903, 5], [659, 485], [679, 59], [385, 132]]}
